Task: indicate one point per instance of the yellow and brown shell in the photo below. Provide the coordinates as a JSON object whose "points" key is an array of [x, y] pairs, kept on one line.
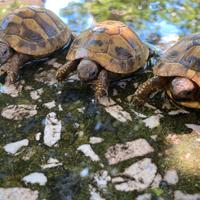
{"points": [[35, 31], [112, 45], [182, 59]]}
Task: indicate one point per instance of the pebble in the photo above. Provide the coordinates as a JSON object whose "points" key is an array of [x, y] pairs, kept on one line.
{"points": [[137, 177], [17, 193], [35, 178], [19, 112], [52, 162], [50, 104], [35, 95], [121, 152], [95, 140], [87, 150], [171, 177], [13, 147], [102, 178], [144, 197], [52, 130], [153, 121], [94, 195]]}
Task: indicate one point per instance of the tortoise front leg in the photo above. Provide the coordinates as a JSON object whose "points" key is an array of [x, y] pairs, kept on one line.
{"points": [[101, 84], [12, 66], [144, 90], [66, 69]]}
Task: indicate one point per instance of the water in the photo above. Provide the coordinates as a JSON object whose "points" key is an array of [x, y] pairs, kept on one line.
{"points": [[159, 24]]}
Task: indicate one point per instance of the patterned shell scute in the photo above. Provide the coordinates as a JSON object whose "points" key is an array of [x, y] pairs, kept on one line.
{"points": [[182, 59], [35, 31], [111, 44]]}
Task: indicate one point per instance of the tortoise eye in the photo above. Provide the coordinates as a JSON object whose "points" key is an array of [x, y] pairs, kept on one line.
{"points": [[5, 52]]}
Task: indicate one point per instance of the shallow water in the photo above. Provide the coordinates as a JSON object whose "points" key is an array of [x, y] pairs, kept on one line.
{"points": [[158, 23]]}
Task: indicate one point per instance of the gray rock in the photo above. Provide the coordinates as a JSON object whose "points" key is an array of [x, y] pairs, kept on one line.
{"points": [[171, 177], [178, 195], [17, 193], [138, 176], [121, 152]]}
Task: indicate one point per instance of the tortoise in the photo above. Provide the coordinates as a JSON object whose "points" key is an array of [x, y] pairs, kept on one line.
{"points": [[178, 73], [28, 33], [108, 50]]}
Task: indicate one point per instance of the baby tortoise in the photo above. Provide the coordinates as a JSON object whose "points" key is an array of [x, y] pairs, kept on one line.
{"points": [[178, 72], [109, 49], [29, 33]]}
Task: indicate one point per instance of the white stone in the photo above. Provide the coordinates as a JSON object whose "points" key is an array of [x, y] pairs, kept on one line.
{"points": [[121, 152], [137, 177], [171, 177], [102, 178], [178, 195], [177, 112], [115, 110], [11, 90], [94, 195], [35, 178], [15, 146], [50, 105], [37, 136], [140, 115], [17, 193], [52, 162], [87, 150], [95, 140], [194, 127], [52, 130], [156, 181], [36, 93], [153, 121], [84, 172], [144, 197], [19, 112]]}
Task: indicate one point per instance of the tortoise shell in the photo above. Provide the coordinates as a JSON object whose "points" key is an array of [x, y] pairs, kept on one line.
{"points": [[182, 59], [112, 45], [34, 31]]}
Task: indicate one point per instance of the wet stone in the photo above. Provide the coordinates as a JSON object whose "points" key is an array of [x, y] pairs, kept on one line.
{"points": [[19, 112], [137, 177], [16, 193], [35, 178], [121, 152], [52, 130], [171, 177]]}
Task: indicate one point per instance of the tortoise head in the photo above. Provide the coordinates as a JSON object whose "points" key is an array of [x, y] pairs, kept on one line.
{"points": [[5, 50], [87, 70], [184, 89]]}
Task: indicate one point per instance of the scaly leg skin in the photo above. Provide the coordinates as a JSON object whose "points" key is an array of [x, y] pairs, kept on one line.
{"points": [[65, 70], [12, 67], [144, 90], [101, 84]]}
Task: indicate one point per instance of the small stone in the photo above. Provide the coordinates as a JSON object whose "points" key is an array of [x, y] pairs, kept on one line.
{"points": [[50, 105], [121, 152], [194, 127], [17, 193], [94, 195], [156, 181], [87, 150], [35, 178], [12, 90], [140, 115], [13, 147], [177, 112], [171, 177], [36, 93], [137, 177], [95, 140], [178, 195], [52, 162], [37, 136], [19, 112], [154, 137], [153, 121], [102, 178], [84, 172], [52, 130], [144, 197]]}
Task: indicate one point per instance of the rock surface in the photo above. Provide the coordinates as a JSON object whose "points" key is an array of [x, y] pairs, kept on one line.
{"points": [[178, 195], [153, 121], [17, 193], [19, 112], [52, 130], [137, 177], [34, 178], [121, 152], [15, 146], [171, 177]]}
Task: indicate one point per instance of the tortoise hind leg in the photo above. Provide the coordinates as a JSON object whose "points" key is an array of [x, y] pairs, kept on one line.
{"points": [[101, 84], [13, 65], [144, 90], [66, 69]]}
